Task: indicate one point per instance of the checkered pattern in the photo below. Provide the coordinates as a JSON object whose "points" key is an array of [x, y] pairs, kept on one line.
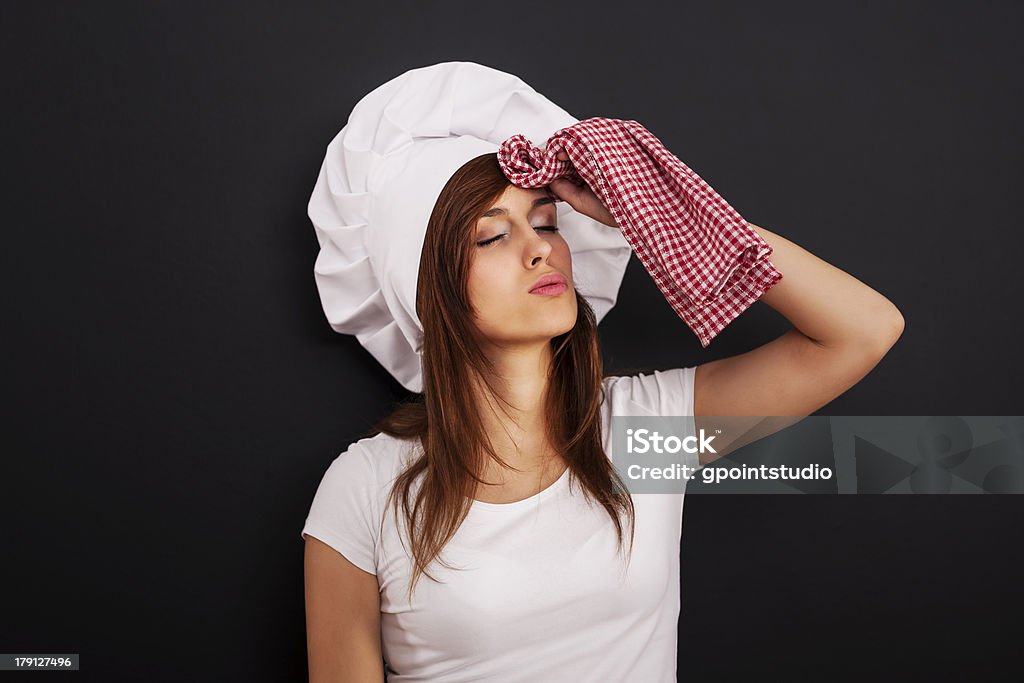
{"points": [[708, 263]]}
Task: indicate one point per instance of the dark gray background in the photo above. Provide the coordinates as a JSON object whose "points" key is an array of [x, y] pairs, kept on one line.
{"points": [[175, 393]]}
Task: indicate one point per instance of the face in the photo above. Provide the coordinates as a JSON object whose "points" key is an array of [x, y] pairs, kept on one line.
{"points": [[517, 249]]}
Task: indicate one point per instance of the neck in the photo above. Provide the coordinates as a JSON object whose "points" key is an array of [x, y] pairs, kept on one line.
{"points": [[517, 425]]}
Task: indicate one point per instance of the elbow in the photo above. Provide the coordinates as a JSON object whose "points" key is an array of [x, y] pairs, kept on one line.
{"points": [[897, 326], [889, 332], [873, 334]]}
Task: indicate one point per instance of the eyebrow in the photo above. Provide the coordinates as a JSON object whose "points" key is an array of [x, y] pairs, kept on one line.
{"points": [[500, 211]]}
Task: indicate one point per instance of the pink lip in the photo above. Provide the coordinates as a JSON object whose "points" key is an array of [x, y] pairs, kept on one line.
{"points": [[551, 284]]}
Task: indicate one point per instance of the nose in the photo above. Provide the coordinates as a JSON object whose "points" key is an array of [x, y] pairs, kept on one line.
{"points": [[536, 249]]}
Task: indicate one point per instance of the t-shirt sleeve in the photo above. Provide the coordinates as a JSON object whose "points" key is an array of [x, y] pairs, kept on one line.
{"points": [[663, 392], [345, 513]]}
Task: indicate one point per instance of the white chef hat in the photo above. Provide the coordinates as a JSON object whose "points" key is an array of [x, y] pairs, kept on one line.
{"points": [[381, 177]]}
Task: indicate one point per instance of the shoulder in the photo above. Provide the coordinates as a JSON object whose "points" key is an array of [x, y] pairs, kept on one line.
{"points": [[373, 461], [348, 507], [661, 392]]}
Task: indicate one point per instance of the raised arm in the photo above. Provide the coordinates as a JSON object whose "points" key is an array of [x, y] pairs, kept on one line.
{"points": [[841, 329]]}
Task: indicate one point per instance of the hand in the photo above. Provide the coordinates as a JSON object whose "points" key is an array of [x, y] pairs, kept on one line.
{"points": [[582, 199]]}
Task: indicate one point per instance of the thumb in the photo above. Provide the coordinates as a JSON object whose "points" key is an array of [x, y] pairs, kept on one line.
{"points": [[565, 190], [560, 186]]}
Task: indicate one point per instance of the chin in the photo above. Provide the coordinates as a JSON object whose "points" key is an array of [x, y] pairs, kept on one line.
{"points": [[557, 327], [537, 330], [527, 325]]}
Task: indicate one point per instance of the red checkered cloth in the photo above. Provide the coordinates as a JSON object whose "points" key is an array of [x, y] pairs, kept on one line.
{"points": [[708, 263]]}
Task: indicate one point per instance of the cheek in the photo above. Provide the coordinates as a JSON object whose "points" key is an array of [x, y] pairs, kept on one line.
{"points": [[561, 257], [485, 285]]}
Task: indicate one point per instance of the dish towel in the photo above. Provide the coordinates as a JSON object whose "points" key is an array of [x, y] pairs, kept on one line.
{"points": [[708, 263]]}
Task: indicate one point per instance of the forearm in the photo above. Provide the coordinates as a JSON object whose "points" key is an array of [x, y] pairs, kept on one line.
{"points": [[829, 306]]}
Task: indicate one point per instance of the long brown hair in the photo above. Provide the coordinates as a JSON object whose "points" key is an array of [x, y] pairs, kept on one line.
{"points": [[446, 420]]}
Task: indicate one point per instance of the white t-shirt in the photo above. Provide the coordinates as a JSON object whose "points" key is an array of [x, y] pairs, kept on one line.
{"points": [[542, 595]]}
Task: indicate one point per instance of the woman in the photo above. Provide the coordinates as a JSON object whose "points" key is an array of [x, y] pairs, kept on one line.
{"points": [[516, 380], [483, 534]]}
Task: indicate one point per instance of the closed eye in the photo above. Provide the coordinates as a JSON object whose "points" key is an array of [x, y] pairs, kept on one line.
{"points": [[492, 240]]}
